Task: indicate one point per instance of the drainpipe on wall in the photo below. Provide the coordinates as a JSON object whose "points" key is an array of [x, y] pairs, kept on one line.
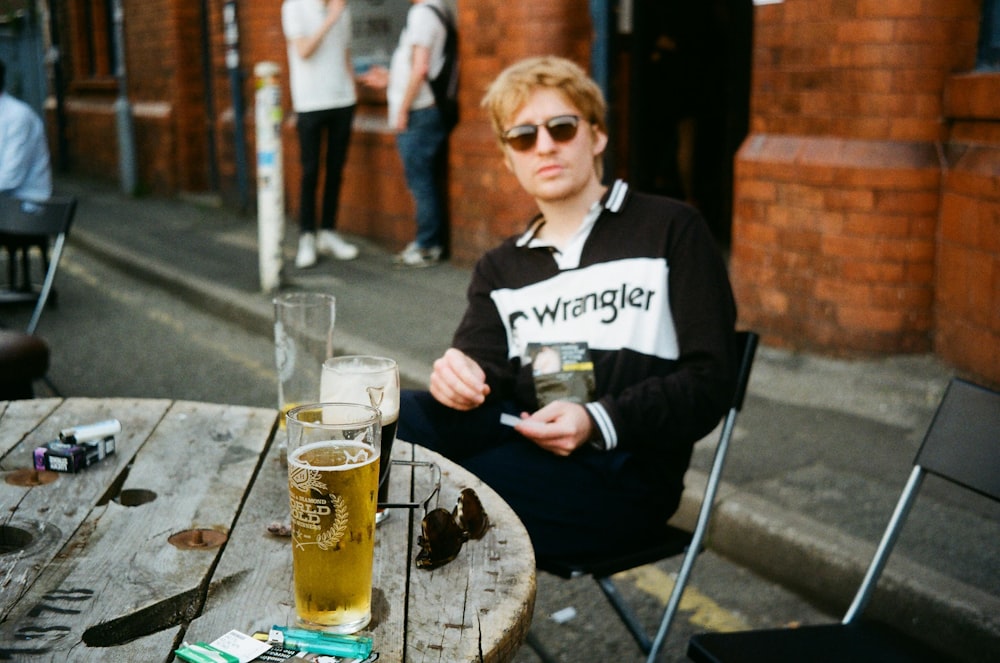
{"points": [[231, 34], [209, 91], [123, 110], [54, 59]]}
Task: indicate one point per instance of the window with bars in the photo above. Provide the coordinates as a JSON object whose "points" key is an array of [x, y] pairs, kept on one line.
{"points": [[94, 56]]}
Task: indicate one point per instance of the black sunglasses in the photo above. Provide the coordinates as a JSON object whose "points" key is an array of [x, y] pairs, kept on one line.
{"points": [[443, 532], [562, 129]]}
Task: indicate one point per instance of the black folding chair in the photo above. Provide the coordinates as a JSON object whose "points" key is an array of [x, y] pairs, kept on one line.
{"points": [[28, 227], [962, 446], [672, 541]]}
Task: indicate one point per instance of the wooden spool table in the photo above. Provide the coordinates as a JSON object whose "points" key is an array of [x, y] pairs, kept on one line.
{"points": [[166, 541]]}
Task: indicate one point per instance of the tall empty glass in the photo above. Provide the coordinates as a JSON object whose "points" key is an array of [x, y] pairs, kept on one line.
{"points": [[303, 339], [332, 490], [371, 381]]}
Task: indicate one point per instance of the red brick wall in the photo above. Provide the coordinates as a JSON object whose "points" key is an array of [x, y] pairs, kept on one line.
{"points": [[833, 246], [838, 187], [864, 69], [967, 313]]}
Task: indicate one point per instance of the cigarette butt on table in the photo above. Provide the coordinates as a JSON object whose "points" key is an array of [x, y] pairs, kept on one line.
{"points": [[509, 419]]}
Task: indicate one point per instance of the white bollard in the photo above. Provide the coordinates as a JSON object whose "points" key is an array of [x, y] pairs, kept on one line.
{"points": [[270, 175]]}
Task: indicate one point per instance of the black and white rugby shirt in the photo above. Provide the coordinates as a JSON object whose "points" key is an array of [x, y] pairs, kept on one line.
{"points": [[650, 295]]}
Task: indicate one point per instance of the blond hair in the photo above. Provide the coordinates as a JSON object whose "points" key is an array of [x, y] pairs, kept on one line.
{"points": [[511, 89]]}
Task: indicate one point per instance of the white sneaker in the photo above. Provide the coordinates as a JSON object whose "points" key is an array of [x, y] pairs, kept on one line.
{"points": [[306, 257], [414, 256], [333, 244]]}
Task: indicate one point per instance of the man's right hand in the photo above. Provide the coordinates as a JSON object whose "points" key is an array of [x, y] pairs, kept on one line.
{"points": [[377, 77], [458, 381]]}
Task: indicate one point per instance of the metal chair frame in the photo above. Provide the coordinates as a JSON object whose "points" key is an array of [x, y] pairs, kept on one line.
{"points": [[962, 446], [27, 225], [674, 541]]}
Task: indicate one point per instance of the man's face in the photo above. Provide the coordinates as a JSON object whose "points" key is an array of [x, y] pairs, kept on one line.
{"points": [[552, 170]]}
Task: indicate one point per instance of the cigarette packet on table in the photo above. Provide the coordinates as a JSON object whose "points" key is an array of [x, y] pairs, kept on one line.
{"points": [[70, 457], [233, 647]]}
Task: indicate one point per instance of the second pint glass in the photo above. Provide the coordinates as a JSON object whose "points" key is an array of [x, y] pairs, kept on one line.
{"points": [[368, 380], [333, 487]]}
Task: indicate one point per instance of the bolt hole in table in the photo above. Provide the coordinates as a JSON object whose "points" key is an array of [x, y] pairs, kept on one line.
{"points": [[166, 540]]}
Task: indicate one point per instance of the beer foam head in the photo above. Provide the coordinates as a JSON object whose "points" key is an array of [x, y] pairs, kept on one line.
{"points": [[362, 379], [333, 455]]}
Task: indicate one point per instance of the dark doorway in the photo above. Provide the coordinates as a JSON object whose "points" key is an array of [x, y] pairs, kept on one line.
{"points": [[688, 100]]}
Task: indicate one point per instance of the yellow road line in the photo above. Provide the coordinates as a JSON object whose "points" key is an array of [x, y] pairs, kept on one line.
{"points": [[705, 612]]}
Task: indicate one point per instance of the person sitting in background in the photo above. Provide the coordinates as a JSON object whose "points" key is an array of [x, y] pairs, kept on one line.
{"points": [[25, 171], [632, 286]]}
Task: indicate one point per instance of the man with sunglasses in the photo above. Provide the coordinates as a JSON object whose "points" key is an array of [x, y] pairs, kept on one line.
{"points": [[633, 280]]}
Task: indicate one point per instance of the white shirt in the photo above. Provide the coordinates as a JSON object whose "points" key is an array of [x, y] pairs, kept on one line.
{"points": [[325, 79], [24, 154], [423, 28]]}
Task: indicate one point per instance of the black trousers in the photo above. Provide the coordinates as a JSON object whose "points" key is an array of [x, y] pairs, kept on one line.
{"points": [[329, 129], [583, 504]]}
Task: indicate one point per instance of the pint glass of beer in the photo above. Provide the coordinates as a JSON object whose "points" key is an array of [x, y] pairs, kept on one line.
{"points": [[371, 381], [332, 490]]}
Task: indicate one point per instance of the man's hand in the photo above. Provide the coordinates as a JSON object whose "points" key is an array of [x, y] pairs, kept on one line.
{"points": [[458, 382], [401, 121], [377, 77], [560, 427], [306, 46]]}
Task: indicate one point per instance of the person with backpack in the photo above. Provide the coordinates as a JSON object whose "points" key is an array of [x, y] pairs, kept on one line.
{"points": [[421, 120]]}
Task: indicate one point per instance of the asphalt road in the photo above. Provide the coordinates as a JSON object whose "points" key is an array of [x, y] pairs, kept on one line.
{"points": [[113, 335]]}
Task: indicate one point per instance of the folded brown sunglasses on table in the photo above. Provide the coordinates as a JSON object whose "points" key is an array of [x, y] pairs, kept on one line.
{"points": [[443, 532]]}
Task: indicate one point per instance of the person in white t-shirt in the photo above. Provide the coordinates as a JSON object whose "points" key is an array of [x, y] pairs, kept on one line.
{"points": [[421, 135], [25, 171], [321, 78]]}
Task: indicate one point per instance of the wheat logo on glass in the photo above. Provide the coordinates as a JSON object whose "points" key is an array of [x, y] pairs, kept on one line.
{"points": [[309, 513]]}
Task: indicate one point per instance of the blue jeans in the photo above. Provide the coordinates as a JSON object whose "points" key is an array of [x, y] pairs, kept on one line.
{"points": [[422, 149]]}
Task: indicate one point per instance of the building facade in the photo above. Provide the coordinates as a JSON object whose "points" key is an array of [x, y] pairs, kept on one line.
{"points": [[855, 163], [868, 190]]}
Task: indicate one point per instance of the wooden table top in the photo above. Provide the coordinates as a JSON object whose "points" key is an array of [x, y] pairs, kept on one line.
{"points": [[88, 571]]}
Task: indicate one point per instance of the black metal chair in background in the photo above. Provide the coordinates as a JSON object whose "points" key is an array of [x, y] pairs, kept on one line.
{"points": [[26, 228], [962, 446], [672, 541]]}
